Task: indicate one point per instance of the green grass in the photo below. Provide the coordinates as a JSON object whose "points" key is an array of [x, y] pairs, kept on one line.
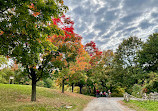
{"points": [[17, 98], [143, 105]]}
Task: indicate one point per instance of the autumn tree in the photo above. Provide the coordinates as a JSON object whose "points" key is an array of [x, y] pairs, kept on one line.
{"points": [[68, 45], [78, 68], [24, 30], [94, 60]]}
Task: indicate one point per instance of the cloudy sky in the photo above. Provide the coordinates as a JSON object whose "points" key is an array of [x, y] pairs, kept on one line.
{"points": [[108, 22]]}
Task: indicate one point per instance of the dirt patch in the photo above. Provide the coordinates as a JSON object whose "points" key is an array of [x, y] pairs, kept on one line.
{"points": [[22, 98]]}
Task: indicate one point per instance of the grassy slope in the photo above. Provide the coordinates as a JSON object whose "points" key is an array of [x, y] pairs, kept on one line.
{"points": [[142, 105], [17, 98]]}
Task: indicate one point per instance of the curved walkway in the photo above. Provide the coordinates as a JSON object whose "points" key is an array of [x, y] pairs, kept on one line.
{"points": [[106, 104]]}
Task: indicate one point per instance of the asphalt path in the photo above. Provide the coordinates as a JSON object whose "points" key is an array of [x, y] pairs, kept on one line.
{"points": [[106, 104]]}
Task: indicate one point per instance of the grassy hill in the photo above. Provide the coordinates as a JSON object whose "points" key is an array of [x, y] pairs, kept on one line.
{"points": [[17, 98]]}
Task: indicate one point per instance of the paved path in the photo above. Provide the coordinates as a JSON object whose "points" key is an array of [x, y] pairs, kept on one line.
{"points": [[106, 104]]}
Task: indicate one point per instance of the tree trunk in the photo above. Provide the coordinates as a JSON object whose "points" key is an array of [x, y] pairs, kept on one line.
{"points": [[80, 89], [94, 89], [72, 87], [89, 90], [63, 85], [33, 96]]}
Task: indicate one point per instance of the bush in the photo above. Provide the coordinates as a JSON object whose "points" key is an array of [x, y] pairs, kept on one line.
{"points": [[137, 90], [77, 89], [115, 94], [40, 84], [118, 92], [48, 83], [85, 90]]}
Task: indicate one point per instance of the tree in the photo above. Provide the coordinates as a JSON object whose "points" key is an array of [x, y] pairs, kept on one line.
{"points": [[25, 27], [94, 60], [68, 45], [78, 68], [125, 62], [148, 56], [105, 68]]}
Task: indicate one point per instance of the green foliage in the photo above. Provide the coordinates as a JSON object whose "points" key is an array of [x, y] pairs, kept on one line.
{"points": [[25, 31], [76, 89], [137, 90], [2, 77], [48, 82], [151, 83], [118, 92], [5, 73], [40, 83], [148, 56], [126, 70], [3, 60], [26, 26], [21, 77]]}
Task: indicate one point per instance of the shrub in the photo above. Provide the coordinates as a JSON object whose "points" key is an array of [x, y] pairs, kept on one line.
{"points": [[40, 84], [137, 90], [118, 92], [48, 83], [77, 89]]}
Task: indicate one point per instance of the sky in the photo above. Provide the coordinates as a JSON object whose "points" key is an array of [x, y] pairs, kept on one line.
{"points": [[108, 22]]}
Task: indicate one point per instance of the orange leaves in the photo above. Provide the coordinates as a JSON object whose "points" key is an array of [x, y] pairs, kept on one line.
{"points": [[61, 1], [32, 7], [34, 67], [1, 32], [36, 14], [82, 63]]}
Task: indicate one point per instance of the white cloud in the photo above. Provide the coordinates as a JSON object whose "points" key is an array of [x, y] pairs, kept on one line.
{"points": [[107, 22]]}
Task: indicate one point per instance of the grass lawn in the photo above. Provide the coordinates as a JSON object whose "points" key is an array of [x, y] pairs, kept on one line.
{"points": [[17, 98], [142, 105]]}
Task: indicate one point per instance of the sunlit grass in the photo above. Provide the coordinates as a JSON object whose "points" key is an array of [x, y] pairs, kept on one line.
{"points": [[17, 98], [143, 105]]}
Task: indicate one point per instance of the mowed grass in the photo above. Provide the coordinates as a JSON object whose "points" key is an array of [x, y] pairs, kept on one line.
{"points": [[17, 98], [142, 105]]}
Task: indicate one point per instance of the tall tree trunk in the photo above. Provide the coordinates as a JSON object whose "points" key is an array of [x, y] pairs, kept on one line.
{"points": [[72, 87], [33, 96], [63, 85]]}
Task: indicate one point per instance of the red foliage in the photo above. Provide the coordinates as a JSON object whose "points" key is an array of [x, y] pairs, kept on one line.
{"points": [[66, 24], [93, 52]]}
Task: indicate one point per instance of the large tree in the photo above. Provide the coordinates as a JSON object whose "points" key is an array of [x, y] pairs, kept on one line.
{"points": [[95, 58], [148, 56], [78, 69], [125, 61], [25, 26]]}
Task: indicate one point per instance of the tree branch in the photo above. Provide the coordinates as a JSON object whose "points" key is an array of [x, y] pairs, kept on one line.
{"points": [[29, 76]]}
